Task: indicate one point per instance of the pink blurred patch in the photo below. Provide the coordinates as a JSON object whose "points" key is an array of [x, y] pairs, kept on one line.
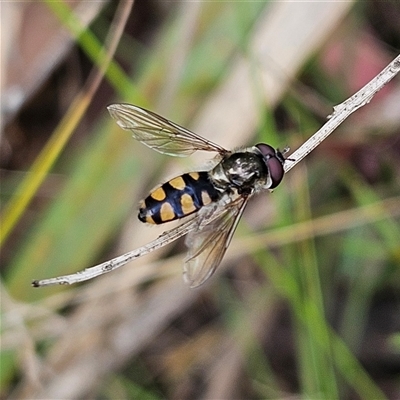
{"points": [[355, 61]]}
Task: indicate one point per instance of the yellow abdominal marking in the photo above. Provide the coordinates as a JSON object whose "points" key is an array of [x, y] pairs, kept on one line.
{"points": [[187, 204], [149, 219], [178, 183], [205, 198], [167, 212], [158, 194], [194, 175]]}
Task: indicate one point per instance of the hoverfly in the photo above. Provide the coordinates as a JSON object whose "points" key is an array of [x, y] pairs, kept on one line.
{"points": [[215, 199]]}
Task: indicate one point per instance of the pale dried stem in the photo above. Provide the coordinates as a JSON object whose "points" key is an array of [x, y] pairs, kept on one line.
{"points": [[343, 111]]}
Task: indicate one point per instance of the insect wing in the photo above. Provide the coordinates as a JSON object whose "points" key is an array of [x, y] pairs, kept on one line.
{"points": [[208, 243], [158, 133], [117, 262]]}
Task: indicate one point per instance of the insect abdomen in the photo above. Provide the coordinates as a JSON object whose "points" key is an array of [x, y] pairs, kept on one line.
{"points": [[178, 198]]}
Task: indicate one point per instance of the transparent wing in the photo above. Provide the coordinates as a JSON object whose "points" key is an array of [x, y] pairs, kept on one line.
{"points": [[208, 237], [208, 242], [117, 262], [158, 133]]}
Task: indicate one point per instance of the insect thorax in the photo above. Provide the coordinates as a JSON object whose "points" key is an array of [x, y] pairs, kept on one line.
{"points": [[244, 171]]}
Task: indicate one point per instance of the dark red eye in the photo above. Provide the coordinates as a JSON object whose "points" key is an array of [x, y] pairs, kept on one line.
{"points": [[276, 171], [266, 150], [274, 161]]}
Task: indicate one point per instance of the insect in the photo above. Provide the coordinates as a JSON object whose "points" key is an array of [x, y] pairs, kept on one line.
{"points": [[213, 200]]}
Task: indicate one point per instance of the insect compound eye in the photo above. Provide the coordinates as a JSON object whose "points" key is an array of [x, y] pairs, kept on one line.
{"points": [[276, 171], [266, 150], [274, 161]]}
